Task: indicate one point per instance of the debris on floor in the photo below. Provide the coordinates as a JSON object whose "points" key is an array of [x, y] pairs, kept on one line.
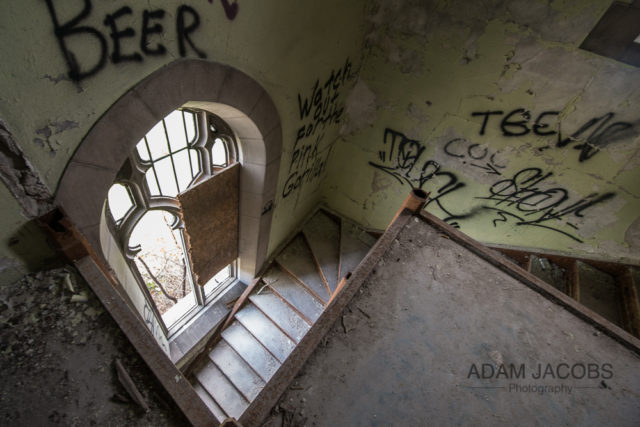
{"points": [[58, 344]]}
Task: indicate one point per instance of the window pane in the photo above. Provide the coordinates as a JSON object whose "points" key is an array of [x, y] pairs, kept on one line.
{"points": [[165, 176], [183, 170], [195, 162], [142, 150], [157, 141], [217, 280], [151, 182], [218, 153], [190, 125], [161, 259], [175, 130], [119, 201]]}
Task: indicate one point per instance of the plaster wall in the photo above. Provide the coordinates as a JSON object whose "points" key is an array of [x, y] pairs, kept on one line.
{"points": [[522, 138], [304, 54]]}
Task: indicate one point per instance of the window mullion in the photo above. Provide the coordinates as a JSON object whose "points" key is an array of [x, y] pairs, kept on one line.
{"points": [[173, 165], [186, 138], [153, 167]]}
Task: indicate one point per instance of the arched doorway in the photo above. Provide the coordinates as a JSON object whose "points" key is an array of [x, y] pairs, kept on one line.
{"points": [[223, 91]]}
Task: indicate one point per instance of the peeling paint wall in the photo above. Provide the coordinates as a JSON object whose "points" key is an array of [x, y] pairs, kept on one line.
{"points": [[70, 61], [522, 138]]}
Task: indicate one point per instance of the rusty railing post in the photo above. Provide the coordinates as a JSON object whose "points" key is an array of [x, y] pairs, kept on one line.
{"points": [[415, 201]]}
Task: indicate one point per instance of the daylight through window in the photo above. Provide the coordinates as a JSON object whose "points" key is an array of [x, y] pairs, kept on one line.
{"points": [[183, 149]]}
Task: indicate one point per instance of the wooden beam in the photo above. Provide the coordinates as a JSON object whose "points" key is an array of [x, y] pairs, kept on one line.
{"points": [[629, 301], [573, 280], [169, 376]]}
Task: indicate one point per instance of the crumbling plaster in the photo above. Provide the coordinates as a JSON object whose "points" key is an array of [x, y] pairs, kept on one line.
{"points": [[438, 70]]}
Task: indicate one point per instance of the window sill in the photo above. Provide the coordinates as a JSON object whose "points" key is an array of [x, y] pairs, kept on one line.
{"points": [[187, 343]]}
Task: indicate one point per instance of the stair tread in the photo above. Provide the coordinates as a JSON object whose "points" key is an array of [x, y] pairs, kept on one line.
{"points": [[250, 349], [211, 404], [266, 332], [323, 236], [281, 314], [297, 258], [354, 245], [237, 370], [293, 293], [223, 391]]}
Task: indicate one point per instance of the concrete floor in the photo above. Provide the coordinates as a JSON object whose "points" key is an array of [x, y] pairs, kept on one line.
{"points": [[404, 351]]}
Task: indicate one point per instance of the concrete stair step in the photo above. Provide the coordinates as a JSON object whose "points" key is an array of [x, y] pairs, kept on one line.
{"points": [[281, 314], [208, 400], [354, 245], [243, 377], [295, 295], [265, 331], [250, 349], [297, 260], [222, 390], [323, 236]]}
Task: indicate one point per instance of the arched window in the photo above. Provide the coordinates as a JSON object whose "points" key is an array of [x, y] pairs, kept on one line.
{"points": [[181, 150]]}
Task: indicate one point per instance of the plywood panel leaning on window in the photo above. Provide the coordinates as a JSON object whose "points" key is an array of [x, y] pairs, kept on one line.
{"points": [[210, 215]]}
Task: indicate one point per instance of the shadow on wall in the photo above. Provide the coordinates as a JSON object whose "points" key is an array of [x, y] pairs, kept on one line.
{"points": [[26, 250]]}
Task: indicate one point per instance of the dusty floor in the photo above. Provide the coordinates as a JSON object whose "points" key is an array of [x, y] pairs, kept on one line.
{"points": [[58, 348], [401, 352]]}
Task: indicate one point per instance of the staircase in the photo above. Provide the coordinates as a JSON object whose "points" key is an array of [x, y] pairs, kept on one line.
{"points": [[282, 306], [607, 288]]}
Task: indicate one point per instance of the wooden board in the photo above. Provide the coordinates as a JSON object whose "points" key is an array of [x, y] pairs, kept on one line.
{"points": [[210, 215]]}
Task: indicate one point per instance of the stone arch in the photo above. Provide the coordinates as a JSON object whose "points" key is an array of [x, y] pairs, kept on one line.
{"points": [[227, 92]]}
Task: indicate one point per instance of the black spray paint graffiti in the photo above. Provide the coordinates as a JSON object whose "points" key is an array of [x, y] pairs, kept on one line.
{"points": [[319, 109], [595, 134], [479, 156], [153, 326], [187, 21], [524, 199], [230, 9], [402, 159], [535, 204]]}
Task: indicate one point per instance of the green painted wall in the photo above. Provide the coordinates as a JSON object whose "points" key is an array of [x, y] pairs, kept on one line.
{"points": [[416, 117], [425, 68], [286, 45]]}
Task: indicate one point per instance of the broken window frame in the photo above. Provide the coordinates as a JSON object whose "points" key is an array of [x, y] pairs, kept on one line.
{"points": [[209, 130]]}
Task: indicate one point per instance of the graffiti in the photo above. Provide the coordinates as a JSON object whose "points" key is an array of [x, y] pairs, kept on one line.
{"points": [[153, 326], [535, 204], [319, 109], [462, 149], [593, 135], [323, 101], [152, 31], [305, 171], [526, 198], [230, 9], [402, 159]]}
